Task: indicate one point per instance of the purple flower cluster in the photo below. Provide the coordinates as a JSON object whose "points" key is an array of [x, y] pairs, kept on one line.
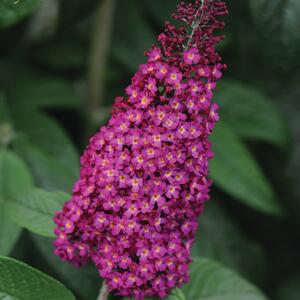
{"points": [[143, 179]]}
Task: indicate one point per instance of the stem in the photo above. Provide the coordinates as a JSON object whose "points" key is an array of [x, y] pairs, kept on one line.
{"points": [[197, 21], [103, 294], [98, 57], [194, 24]]}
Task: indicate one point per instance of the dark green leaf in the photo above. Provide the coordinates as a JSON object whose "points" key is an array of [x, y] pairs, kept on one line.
{"points": [[176, 294], [131, 36], [49, 92], [45, 133], [35, 210], [48, 172], [15, 179], [276, 25], [278, 16], [85, 281], [211, 281], [289, 290], [48, 151], [236, 172], [12, 11], [19, 281], [219, 238], [250, 113], [9, 233]]}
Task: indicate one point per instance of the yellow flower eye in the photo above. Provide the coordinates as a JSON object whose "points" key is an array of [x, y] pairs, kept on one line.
{"points": [[190, 55]]}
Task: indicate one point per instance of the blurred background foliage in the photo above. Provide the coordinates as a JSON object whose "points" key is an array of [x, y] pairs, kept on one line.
{"points": [[62, 62]]}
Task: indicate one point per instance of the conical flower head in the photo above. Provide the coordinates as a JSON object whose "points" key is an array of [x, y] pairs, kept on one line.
{"points": [[143, 179]]}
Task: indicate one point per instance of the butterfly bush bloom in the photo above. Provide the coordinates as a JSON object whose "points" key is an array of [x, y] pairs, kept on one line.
{"points": [[144, 176]]}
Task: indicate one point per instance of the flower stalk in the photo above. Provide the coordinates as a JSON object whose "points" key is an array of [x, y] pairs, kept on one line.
{"points": [[103, 294], [98, 58]]}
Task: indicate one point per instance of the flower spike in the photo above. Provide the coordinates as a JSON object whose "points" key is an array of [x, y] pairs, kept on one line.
{"points": [[144, 177]]}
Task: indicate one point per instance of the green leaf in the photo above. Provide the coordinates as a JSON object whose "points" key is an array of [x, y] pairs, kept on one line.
{"points": [[48, 171], [9, 233], [35, 210], [19, 281], [85, 281], [289, 290], [211, 281], [12, 11], [220, 238], [275, 24], [49, 92], [15, 179], [131, 35], [176, 294], [250, 113], [47, 150], [45, 133], [277, 16], [235, 171]]}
